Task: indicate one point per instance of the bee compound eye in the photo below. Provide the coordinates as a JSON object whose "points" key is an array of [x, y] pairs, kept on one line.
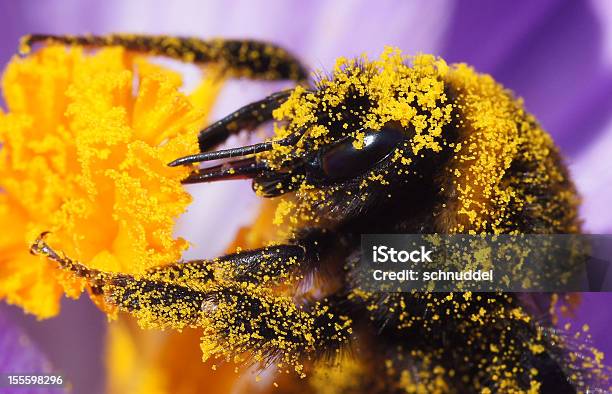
{"points": [[344, 160]]}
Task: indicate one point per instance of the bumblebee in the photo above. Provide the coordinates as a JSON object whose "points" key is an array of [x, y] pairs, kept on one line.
{"points": [[398, 144]]}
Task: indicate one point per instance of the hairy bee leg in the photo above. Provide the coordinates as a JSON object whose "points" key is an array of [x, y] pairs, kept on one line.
{"points": [[239, 58], [248, 117], [156, 303], [272, 328], [268, 262], [251, 266], [175, 292], [275, 263], [151, 298]]}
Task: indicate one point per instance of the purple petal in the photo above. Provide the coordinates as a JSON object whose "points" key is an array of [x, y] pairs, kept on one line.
{"points": [[549, 52], [73, 342], [19, 355], [592, 312]]}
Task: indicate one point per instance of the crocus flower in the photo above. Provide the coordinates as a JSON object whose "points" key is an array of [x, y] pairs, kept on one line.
{"points": [[551, 53], [85, 158]]}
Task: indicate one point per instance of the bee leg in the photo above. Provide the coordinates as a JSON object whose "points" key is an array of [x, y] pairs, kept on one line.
{"points": [[248, 118], [172, 295], [228, 297], [271, 265], [156, 303], [252, 266], [272, 328], [40, 247], [247, 266], [238, 58], [152, 298]]}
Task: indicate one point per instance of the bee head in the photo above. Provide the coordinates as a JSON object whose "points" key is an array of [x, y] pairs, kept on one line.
{"points": [[348, 138], [360, 131], [403, 134]]}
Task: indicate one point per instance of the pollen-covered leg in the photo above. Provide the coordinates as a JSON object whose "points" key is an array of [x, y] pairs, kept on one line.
{"points": [[279, 264], [40, 247], [249, 323], [156, 303], [248, 117], [155, 298], [172, 295], [238, 58], [179, 294], [267, 265]]}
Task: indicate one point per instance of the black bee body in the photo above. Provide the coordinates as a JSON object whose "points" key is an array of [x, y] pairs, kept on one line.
{"points": [[394, 145]]}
